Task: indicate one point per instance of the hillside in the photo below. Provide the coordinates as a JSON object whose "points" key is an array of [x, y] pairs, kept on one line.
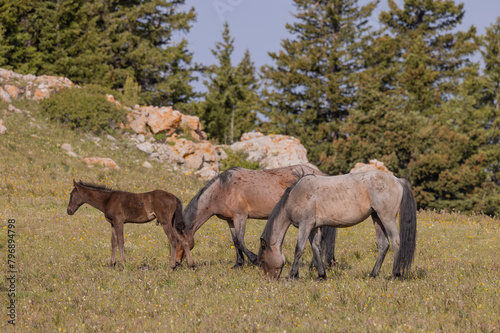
{"points": [[64, 282]]}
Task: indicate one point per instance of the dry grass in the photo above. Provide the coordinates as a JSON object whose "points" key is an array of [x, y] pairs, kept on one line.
{"points": [[64, 282]]}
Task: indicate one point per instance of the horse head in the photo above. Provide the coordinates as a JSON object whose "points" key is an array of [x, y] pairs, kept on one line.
{"points": [[271, 260], [75, 199], [179, 251]]}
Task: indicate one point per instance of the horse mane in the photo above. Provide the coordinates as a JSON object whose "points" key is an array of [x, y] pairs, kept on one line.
{"points": [[301, 173], [280, 205], [92, 186], [192, 206]]}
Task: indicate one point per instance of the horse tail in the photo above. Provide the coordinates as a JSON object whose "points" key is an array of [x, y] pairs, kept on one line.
{"points": [[178, 218], [407, 228]]}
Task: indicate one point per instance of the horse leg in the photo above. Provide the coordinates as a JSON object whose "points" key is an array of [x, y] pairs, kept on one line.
{"points": [[316, 248], [167, 228], [114, 244], [240, 260], [383, 244], [120, 240], [240, 222], [305, 229], [328, 244], [316, 237]]}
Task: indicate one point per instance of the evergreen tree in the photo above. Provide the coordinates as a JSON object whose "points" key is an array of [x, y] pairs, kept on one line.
{"points": [[490, 100], [310, 87], [414, 110], [101, 42], [429, 57], [230, 105]]}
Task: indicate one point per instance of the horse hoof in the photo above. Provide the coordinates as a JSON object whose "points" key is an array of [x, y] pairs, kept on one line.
{"points": [[321, 277], [237, 266]]}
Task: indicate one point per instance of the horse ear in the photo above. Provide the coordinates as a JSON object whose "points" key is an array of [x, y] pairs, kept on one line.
{"points": [[263, 244], [74, 183]]}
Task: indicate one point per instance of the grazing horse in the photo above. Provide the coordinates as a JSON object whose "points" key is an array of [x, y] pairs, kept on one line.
{"points": [[342, 201], [125, 207], [238, 194]]}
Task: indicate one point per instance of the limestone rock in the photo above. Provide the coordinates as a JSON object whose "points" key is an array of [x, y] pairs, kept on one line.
{"points": [[192, 125], [34, 87], [13, 91], [4, 96], [102, 161], [69, 150], [190, 156], [146, 147], [3, 129], [373, 165], [163, 119], [272, 151]]}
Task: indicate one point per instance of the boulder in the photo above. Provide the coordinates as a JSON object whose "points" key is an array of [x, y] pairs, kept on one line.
{"points": [[35, 87], [192, 125], [13, 91], [373, 165], [163, 119], [202, 157], [4, 96], [102, 161], [3, 129], [69, 150], [272, 151], [146, 147]]}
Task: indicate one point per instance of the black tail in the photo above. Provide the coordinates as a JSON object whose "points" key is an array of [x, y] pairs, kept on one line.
{"points": [[178, 218], [407, 229]]}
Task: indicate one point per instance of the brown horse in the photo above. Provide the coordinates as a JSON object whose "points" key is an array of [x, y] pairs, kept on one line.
{"points": [[342, 202], [238, 194], [125, 207]]}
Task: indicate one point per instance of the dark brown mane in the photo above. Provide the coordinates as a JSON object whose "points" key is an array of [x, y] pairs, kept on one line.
{"points": [[92, 186]]}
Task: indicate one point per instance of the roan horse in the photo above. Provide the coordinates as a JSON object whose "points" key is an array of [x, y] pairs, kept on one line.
{"points": [[343, 201], [238, 194], [125, 207]]}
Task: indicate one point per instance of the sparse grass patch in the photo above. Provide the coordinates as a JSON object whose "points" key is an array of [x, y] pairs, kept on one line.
{"points": [[65, 284]]}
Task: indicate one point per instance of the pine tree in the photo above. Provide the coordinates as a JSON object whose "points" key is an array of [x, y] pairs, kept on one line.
{"points": [[310, 87], [230, 105], [429, 57], [490, 100], [102, 42]]}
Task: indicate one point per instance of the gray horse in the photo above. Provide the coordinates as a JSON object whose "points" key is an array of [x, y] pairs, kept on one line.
{"points": [[341, 202], [238, 194]]}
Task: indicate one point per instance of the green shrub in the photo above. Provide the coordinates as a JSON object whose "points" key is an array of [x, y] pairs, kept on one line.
{"points": [[160, 136], [85, 108], [131, 93], [237, 158]]}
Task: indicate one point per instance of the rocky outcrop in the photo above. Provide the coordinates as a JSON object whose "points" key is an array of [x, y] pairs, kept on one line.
{"points": [[272, 151], [14, 86], [372, 165], [164, 120], [201, 158], [184, 145]]}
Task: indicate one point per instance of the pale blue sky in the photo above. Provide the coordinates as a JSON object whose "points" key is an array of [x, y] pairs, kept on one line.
{"points": [[259, 25]]}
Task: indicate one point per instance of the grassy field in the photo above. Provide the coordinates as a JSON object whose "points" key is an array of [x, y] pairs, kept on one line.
{"points": [[64, 283]]}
